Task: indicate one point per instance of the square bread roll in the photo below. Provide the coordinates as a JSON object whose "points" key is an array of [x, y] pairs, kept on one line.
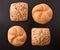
{"points": [[40, 36], [19, 11]]}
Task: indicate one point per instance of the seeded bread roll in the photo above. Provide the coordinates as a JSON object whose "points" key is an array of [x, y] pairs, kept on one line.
{"points": [[40, 36], [17, 36], [42, 13], [19, 11]]}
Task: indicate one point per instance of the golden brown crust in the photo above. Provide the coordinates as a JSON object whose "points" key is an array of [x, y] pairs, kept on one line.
{"points": [[17, 35], [40, 36], [19, 11], [42, 13]]}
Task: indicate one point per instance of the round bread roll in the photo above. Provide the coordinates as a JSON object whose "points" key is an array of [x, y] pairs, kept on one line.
{"points": [[19, 11], [17, 36], [40, 36], [42, 13]]}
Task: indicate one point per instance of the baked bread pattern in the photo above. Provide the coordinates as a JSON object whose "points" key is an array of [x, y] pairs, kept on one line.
{"points": [[42, 13], [19, 11], [17, 36], [40, 36]]}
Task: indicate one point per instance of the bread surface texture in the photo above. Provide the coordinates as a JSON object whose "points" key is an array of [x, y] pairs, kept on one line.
{"points": [[19, 11], [40, 36], [17, 36], [42, 13]]}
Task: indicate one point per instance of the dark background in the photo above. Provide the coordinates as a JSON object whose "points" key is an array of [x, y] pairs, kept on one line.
{"points": [[54, 25]]}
